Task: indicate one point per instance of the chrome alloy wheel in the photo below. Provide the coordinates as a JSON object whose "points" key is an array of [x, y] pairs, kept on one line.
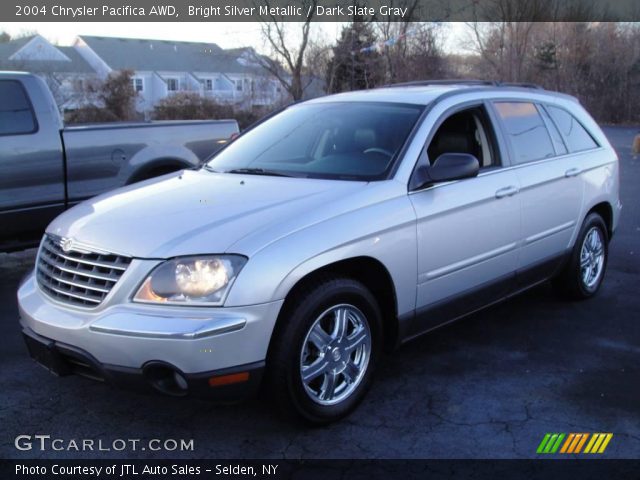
{"points": [[335, 354], [592, 257]]}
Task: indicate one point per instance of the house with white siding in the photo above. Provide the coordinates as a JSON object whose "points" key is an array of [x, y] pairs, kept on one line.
{"points": [[163, 67]]}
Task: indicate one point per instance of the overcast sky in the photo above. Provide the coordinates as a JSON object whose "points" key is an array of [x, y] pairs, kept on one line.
{"points": [[224, 34]]}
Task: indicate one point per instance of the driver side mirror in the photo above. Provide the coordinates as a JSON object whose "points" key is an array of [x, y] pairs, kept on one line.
{"points": [[448, 167]]}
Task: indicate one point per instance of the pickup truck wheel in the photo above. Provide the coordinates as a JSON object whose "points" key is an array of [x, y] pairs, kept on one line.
{"points": [[583, 274], [326, 350]]}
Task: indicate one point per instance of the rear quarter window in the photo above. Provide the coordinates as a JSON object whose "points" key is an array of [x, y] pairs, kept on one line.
{"points": [[526, 131], [16, 115], [575, 135]]}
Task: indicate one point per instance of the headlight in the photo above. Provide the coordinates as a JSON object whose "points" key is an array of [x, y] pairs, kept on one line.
{"points": [[191, 280]]}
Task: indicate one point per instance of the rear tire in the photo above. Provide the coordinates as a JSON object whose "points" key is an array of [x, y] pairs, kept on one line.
{"points": [[584, 272], [325, 350]]}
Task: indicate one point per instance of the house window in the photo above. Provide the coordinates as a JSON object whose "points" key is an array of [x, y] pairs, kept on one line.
{"points": [[208, 84], [172, 84], [138, 86], [239, 85]]}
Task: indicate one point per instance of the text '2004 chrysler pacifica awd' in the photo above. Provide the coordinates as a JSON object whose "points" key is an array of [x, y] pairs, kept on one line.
{"points": [[340, 226]]}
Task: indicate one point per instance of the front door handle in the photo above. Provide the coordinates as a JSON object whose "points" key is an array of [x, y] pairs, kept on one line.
{"points": [[507, 191], [572, 172]]}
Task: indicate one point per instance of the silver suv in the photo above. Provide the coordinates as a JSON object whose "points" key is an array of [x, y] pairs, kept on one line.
{"points": [[334, 229]]}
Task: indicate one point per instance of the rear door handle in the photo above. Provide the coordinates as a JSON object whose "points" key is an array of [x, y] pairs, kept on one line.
{"points": [[506, 191], [572, 172]]}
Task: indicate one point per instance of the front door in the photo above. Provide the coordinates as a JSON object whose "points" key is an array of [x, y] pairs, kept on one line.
{"points": [[468, 230]]}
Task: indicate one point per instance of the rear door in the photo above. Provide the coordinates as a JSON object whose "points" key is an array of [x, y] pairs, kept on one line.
{"points": [[551, 188]]}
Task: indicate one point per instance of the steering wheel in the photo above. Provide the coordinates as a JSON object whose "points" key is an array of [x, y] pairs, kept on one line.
{"points": [[378, 150]]}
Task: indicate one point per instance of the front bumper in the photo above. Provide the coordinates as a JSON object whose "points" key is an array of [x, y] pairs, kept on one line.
{"points": [[128, 343], [229, 384]]}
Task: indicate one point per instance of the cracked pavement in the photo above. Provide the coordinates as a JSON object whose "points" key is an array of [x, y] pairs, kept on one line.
{"points": [[488, 386]]}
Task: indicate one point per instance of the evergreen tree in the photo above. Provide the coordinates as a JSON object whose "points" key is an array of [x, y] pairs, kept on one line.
{"points": [[351, 68]]}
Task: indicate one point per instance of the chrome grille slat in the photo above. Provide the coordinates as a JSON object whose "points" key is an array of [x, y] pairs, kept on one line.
{"points": [[74, 284], [87, 262], [72, 295], [97, 276], [81, 278]]}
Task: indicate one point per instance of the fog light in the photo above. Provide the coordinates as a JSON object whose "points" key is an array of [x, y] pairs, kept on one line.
{"points": [[181, 382], [166, 379]]}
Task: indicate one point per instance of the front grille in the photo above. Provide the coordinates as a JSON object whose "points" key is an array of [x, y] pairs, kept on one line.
{"points": [[83, 279]]}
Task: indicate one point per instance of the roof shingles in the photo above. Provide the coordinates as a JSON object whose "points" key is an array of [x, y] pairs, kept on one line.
{"points": [[77, 64], [164, 55]]}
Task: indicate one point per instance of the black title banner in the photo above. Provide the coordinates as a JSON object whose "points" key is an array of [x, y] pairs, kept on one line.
{"points": [[318, 469], [316, 10]]}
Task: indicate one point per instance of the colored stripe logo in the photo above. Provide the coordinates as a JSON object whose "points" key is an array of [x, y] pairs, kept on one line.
{"points": [[573, 443]]}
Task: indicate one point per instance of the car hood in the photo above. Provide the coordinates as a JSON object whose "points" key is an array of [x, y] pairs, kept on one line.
{"points": [[193, 212]]}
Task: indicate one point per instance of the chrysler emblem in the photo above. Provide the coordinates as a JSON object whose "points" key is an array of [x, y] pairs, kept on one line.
{"points": [[66, 244]]}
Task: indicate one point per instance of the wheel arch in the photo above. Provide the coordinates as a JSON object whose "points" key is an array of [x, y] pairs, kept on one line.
{"points": [[367, 270], [157, 158], [156, 168], [605, 211]]}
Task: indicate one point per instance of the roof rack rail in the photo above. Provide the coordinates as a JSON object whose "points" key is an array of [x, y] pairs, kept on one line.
{"points": [[488, 83], [425, 83], [520, 84]]}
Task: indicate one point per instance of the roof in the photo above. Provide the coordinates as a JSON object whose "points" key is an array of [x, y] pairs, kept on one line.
{"points": [[415, 95], [166, 55], [76, 63], [13, 46], [425, 94], [9, 48]]}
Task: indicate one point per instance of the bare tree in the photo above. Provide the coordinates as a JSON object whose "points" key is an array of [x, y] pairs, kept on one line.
{"points": [[317, 60], [505, 44], [285, 50], [389, 29]]}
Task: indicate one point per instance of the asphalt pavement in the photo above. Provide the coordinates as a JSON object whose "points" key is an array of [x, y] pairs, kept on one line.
{"points": [[488, 386]]}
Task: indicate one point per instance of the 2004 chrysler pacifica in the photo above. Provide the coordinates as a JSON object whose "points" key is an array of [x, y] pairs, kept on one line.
{"points": [[333, 229]]}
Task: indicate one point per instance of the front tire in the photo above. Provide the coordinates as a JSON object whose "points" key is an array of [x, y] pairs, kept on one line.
{"points": [[325, 350], [583, 274]]}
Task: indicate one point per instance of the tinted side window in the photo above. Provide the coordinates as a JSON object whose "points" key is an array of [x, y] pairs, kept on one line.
{"points": [[16, 116], [576, 136], [561, 148], [526, 131]]}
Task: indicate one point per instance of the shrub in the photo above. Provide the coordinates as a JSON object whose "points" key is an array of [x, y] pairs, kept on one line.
{"points": [[118, 95], [190, 106], [90, 114]]}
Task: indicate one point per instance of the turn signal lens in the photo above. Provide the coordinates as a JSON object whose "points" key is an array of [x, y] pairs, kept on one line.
{"points": [[229, 379]]}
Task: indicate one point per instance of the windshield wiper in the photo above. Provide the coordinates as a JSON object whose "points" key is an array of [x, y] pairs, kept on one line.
{"points": [[258, 171]]}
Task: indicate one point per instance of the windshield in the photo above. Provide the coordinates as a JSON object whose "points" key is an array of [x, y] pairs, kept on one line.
{"points": [[355, 141]]}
